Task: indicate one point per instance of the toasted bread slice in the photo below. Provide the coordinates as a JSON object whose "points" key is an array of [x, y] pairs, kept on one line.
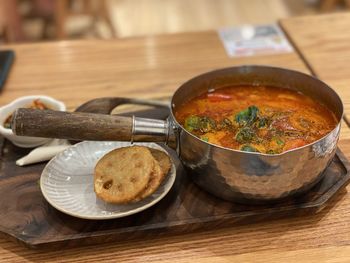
{"points": [[160, 171], [163, 159], [122, 174]]}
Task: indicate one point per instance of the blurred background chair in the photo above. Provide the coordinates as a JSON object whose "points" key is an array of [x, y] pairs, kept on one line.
{"points": [[96, 10], [10, 22], [330, 5], [58, 19], [39, 20]]}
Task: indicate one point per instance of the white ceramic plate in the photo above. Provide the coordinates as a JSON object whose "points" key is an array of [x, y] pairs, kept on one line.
{"points": [[67, 182]]}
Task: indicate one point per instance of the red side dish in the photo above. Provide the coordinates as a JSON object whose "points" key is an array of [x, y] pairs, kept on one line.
{"points": [[36, 104]]}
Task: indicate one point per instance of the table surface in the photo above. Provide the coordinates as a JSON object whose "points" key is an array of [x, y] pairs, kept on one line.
{"points": [[76, 71], [323, 42]]}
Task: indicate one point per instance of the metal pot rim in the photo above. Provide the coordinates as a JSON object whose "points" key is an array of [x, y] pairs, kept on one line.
{"points": [[243, 67]]}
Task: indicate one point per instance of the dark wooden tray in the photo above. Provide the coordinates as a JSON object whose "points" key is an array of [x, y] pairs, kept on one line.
{"points": [[28, 218]]}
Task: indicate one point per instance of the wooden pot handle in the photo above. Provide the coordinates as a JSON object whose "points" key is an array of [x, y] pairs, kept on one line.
{"points": [[71, 125]]}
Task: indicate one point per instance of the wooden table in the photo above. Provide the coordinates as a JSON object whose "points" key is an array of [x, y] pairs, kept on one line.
{"points": [[323, 43], [77, 71]]}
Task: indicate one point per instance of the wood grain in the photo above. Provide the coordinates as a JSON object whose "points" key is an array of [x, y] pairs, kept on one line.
{"points": [[273, 240], [155, 66], [78, 71], [71, 125], [185, 209], [323, 41], [170, 16]]}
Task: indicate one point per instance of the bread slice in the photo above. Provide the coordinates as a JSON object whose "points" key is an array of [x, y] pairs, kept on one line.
{"points": [[160, 171], [163, 159], [122, 174]]}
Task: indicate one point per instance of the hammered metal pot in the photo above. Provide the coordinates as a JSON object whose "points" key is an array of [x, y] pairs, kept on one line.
{"points": [[245, 176], [226, 173]]}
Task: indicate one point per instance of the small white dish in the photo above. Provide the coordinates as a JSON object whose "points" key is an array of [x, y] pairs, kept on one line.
{"points": [[7, 110], [67, 182]]}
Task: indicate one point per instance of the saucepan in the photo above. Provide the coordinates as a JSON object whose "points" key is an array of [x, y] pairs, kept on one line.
{"points": [[229, 174]]}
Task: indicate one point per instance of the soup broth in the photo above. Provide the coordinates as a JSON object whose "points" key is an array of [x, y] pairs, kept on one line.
{"points": [[256, 118]]}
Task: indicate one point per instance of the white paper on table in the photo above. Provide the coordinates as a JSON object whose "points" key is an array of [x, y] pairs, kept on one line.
{"points": [[251, 40], [44, 152]]}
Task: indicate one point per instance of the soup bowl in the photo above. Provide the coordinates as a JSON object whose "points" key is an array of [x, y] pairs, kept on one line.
{"points": [[233, 175]]}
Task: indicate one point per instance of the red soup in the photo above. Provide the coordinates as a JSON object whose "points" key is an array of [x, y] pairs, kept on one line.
{"points": [[256, 118]]}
